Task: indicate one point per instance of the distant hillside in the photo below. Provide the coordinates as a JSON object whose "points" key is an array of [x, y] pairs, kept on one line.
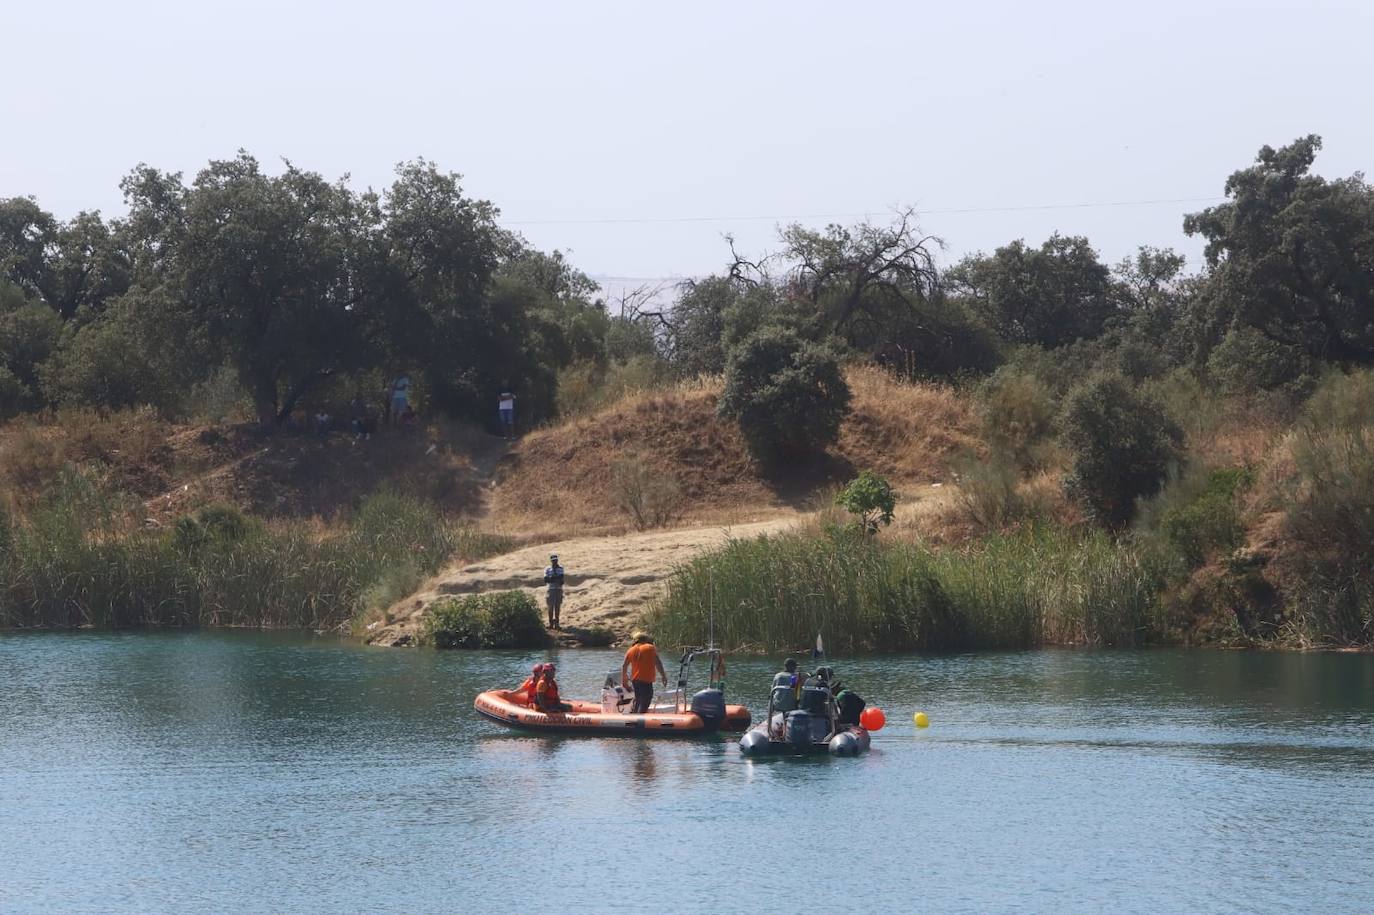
{"points": [[562, 475]]}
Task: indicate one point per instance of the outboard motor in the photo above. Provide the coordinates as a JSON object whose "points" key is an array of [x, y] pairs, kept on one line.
{"points": [[709, 705], [797, 731]]}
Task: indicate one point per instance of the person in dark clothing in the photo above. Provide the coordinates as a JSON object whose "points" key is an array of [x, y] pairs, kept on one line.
{"points": [[849, 705], [815, 693], [553, 577]]}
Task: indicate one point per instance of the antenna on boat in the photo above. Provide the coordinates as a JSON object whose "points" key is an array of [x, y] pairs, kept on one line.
{"points": [[711, 609]]}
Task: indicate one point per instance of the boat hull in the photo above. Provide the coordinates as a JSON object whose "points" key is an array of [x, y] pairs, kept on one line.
{"points": [[508, 709], [761, 740]]}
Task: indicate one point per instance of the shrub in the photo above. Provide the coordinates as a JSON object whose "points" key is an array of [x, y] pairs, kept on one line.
{"points": [[501, 619], [788, 395], [987, 492], [1018, 416], [1342, 402], [1330, 519], [650, 497], [106, 364], [29, 335], [869, 497], [1195, 513], [1246, 361], [1122, 446]]}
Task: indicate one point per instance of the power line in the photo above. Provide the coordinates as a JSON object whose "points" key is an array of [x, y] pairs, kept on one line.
{"points": [[641, 220]]}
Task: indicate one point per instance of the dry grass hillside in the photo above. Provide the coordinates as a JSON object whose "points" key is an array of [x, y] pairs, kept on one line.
{"points": [[175, 468], [562, 478]]}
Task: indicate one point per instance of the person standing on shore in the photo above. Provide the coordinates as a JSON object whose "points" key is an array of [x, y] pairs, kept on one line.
{"points": [[637, 670], [553, 577]]}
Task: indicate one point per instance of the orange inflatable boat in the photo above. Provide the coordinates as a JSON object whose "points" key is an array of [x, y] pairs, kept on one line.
{"points": [[674, 715], [704, 715]]}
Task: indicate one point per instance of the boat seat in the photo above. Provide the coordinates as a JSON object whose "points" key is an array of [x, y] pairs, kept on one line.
{"points": [[784, 699]]}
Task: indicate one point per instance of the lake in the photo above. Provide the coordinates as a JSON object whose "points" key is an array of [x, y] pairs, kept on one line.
{"points": [[212, 771]]}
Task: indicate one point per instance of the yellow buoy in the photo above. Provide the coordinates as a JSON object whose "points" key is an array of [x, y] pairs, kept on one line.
{"points": [[921, 720]]}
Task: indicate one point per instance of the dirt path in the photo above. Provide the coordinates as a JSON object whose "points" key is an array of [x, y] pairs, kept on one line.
{"points": [[610, 580]]}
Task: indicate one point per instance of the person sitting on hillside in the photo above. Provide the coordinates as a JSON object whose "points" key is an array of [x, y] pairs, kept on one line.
{"points": [[546, 692], [530, 683], [786, 683]]}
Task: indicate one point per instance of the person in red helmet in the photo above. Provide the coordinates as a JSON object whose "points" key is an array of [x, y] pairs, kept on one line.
{"points": [[530, 683], [546, 692]]}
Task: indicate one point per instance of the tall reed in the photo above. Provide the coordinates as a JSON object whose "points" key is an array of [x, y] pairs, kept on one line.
{"points": [[1047, 585], [78, 561]]}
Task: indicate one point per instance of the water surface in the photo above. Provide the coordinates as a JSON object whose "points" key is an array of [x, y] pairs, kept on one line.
{"points": [[249, 772]]}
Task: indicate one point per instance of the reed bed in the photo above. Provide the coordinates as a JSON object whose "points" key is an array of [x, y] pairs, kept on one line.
{"points": [[1038, 586], [78, 562]]}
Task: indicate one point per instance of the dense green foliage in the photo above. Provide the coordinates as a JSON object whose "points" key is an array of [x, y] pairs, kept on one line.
{"points": [[788, 395], [870, 499], [501, 619], [1034, 587], [1050, 296], [306, 289], [76, 562], [1122, 445], [1292, 255]]}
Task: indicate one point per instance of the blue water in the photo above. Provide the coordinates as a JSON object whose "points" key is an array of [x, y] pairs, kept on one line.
{"points": [[248, 772]]}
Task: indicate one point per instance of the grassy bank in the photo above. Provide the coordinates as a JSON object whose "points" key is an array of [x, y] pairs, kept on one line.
{"points": [[82, 558], [1039, 586]]}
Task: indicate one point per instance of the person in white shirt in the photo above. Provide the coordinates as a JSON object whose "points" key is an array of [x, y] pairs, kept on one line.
{"points": [[507, 414]]}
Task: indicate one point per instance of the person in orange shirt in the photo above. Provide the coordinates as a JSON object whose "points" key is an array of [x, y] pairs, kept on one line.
{"points": [[530, 683], [637, 670], [546, 692]]}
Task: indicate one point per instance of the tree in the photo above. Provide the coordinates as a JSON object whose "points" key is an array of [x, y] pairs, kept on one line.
{"points": [[439, 250], [28, 238], [267, 265], [90, 266], [1122, 446], [697, 326], [858, 279], [1051, 295], [29, 335], [788, 395], [1292, 254], [870, 498]]}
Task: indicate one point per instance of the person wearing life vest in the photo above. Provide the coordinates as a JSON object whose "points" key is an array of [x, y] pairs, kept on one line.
{"points": [[546, 692], [530, 683], [637, 670], [786, 685]]}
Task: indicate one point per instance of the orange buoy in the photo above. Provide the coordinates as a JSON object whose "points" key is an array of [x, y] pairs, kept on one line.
{"points": [[872, 718]]}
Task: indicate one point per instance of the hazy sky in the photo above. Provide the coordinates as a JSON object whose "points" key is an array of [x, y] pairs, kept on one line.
{"points": [[621, 132]]}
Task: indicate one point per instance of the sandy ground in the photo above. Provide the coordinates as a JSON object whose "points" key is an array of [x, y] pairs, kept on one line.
{"points": [[610, 580]]}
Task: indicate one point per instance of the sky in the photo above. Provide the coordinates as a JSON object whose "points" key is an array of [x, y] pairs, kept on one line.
{"points": [[636, 135]]}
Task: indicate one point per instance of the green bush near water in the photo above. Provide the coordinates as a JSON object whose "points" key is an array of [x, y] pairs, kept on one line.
{"points": [[1037, 586], [77, 561], [501, 619]]}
